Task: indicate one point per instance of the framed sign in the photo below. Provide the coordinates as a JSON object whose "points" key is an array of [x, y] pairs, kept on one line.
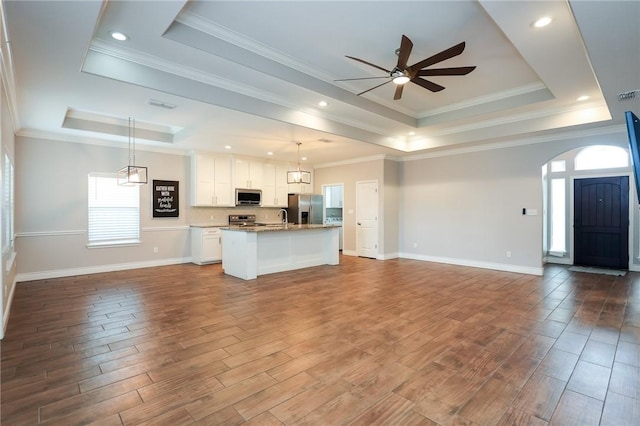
{"points": [[165, 198]]}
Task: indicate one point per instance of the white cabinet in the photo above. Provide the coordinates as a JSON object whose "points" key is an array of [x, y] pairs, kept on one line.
{"points": [[247, 173], [333, 197], [274, 185], [211, 184], [206, 245]]}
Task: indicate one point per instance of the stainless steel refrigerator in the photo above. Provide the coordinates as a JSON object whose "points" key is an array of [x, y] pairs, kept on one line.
{"points": [[305, 208]]}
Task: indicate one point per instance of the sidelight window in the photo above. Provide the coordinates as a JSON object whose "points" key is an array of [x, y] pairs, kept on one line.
{"points": [[558, 217], [114, 211]]}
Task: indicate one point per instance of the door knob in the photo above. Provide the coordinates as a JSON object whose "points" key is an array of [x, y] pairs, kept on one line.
{"points": [[359, 223]]}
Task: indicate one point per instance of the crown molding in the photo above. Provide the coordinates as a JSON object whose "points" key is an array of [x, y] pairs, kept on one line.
{"points": [[356, 161], [117, 143], [600, 131]]}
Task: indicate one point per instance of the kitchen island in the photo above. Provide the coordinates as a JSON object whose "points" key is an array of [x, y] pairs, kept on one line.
{"points": [[250, 251]]}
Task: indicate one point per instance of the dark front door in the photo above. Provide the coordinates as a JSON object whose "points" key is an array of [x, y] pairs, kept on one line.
{"points": [[601, 222]]}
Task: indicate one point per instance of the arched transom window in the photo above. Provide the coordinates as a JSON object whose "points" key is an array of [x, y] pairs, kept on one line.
{"points": [[601, 157]]}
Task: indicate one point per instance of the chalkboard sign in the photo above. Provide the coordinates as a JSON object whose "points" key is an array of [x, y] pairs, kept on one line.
{"points": [[165, 198]]}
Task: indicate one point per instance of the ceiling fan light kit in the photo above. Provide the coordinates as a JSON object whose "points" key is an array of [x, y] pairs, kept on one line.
{"points": [[402, 73], [298, 175], [131, 174]]}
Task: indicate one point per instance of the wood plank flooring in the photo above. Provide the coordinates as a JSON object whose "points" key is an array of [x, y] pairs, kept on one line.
{"points": [[367, 342]]}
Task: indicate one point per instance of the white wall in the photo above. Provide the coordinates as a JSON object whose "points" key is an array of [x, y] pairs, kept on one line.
{"points": [[51, 210]]}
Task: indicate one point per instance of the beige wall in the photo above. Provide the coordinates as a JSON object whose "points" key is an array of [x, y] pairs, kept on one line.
{"points": [[383, 171], [51, 209], [467, 208]]}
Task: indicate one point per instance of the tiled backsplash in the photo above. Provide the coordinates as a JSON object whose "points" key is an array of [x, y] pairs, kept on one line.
{"points": [[220, 216]]}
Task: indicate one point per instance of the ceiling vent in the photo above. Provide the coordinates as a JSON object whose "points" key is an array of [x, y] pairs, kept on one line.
{"points": [[160, 104]]}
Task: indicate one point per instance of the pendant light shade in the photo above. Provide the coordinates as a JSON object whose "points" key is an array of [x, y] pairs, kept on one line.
{"points": [[132, 174], [298, 175]]}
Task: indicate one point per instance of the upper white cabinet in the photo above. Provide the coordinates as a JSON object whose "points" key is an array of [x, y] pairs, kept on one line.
{"points": [[274, 185], [247, 173], [211, 183], [334, 196]]}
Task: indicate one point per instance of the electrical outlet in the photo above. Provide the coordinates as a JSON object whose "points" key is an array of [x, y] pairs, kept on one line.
{"points": [[508, 253], [211, 217], [415, 245], [155, 249]]}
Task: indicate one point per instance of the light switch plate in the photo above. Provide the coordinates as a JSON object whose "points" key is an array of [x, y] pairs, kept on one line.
{"points": [[532, 212]]}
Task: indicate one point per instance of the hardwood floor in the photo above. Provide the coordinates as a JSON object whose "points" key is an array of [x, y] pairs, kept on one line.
{"points": [[366, 342]]}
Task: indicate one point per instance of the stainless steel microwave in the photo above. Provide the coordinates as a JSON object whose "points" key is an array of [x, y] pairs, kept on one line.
{"points": [[248, 197]]}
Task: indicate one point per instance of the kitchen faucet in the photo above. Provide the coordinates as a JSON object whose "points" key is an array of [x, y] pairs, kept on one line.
{"points": [[285, 219]]}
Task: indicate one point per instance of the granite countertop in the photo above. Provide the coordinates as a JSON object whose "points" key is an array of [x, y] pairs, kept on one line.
{"points": [[277, 227], [208, 225]]}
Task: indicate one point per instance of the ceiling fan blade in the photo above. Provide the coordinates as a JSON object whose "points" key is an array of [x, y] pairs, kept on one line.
{"points": [[368, 63], [438, 57], [405, 50], [429, 85], [375, 87], [446, 71], [398, 94], [361, 78]]}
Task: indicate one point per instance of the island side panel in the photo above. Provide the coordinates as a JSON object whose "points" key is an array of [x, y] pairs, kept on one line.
{"points": [[287, 250], [240, 254]]}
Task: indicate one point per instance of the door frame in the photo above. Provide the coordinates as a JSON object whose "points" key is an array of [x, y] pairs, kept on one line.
{"points": [[633, 201], [377, 251]]}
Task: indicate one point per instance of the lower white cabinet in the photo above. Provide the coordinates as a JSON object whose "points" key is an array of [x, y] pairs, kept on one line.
{"points": [[206, 245]]}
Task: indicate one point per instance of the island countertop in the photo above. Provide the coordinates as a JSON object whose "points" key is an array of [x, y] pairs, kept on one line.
{"points": [[278, 227]]}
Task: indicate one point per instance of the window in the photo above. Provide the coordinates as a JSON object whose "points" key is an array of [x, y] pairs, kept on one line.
{"points": [[558, 217], [601, 157], [114, 211], [558, 166], [7, 205]]}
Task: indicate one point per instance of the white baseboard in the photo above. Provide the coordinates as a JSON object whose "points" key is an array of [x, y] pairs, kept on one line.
{"points": [[349, 252], [45, 275], [387, 256], [5, 314], [520, 269]]}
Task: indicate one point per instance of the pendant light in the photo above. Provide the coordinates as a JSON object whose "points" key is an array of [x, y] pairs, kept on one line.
{"points": [[132, 174], [299, 175]]}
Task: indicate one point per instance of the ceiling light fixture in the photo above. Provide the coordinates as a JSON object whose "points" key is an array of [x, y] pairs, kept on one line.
{"points": [[323, 103], [117, 35], [227, 147], [132, 174], [542, 22], [399, 77], [582, 98], [298, 175]]}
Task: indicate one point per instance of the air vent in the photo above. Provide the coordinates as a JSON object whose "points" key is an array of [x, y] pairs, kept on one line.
{"points": [[325, 140], [160, 104], [625, 96]]}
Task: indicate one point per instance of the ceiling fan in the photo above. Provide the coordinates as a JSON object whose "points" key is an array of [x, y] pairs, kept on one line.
{"points": [[402, 73]]}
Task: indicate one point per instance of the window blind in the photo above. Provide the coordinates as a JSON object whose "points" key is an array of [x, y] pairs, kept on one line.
{"points": [[114, 211], [7, 204]]}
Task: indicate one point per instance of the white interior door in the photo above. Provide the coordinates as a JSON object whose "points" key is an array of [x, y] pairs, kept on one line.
{"points": [[367, 218]]}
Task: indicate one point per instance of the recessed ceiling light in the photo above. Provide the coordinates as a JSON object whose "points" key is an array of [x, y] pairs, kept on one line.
{"points": [[269, 153], [323, 103], [582, 98], [304, 158], [412, 133], [117, 35], [227, 147], [542, 22]]}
